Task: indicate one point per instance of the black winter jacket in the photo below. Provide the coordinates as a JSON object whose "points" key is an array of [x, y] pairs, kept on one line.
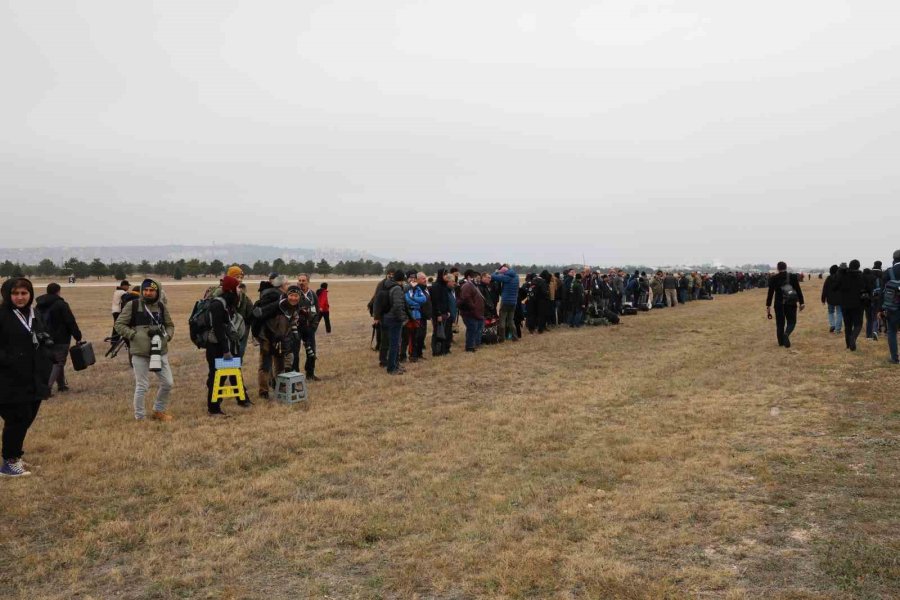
{"points": [[58, 318], [850, 286], [24, 369]]}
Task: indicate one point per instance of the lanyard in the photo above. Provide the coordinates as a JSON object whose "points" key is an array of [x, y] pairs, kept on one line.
{"points": [[26, 324], [153, 317]]}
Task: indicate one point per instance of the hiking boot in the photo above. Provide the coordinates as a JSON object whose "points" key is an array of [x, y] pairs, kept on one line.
{"points": [[159, 415], [894, 361], [313, 378], [13, 468], [264, 395], [218, 414], [787, 343], [831, 330], [245, 403], [62, 388]]}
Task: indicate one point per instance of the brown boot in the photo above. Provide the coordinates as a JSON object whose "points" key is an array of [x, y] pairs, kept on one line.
{"points": [[161, 416]]}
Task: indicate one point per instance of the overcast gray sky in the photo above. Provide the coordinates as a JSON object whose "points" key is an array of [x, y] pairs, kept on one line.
{"points": [[627, 131]]}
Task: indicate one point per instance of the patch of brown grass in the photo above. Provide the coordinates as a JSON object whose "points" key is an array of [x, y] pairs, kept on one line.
{"points": [[679, 455]]}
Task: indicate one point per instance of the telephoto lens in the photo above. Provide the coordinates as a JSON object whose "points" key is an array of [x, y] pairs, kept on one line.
{"points": [[155, 353]]}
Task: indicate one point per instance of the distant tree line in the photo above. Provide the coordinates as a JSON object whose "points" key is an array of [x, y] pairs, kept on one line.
{"points": [[194, 268]]}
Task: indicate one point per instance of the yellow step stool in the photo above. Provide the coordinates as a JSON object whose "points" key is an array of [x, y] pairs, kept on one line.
{"points": [[224, 388]]}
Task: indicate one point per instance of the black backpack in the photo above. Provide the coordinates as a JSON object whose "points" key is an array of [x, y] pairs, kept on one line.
{"points": [[200, 321], [789, 295]]}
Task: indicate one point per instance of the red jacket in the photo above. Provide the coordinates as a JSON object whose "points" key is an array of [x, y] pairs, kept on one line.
{"points": [[323, 300]]}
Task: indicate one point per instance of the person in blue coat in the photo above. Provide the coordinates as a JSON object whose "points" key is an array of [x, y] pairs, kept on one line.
{"points": [[509, 299]]}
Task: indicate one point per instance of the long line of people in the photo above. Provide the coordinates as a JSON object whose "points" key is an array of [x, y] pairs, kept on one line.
{"points": [[496, 307]]}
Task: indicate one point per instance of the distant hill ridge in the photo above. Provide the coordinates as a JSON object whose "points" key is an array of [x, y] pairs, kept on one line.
{"points": [[238, 253]]}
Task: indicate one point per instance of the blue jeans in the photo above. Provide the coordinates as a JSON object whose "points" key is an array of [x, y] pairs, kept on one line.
{"points": [[835, 317], [393, 328], [474, 327], [575, 320], [893, 323]]}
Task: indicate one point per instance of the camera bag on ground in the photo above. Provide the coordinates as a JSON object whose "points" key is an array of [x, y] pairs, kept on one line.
{"points": [[629, 310], [82, 356], [611, 316]]}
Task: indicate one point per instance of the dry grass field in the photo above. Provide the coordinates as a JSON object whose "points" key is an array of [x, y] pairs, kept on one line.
{"points": [[679, 455]]}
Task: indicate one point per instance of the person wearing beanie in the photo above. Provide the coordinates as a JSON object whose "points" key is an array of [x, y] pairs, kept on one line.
{"points": [[393, 318], [244, 307], [784, 289], [61, 324], [851, 289], [324, 306], [224, 341], [140, 321], [235, 271], [890, 306]]}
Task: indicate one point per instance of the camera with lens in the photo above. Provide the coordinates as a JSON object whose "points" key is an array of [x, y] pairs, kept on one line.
{"points": [[156, 353]]}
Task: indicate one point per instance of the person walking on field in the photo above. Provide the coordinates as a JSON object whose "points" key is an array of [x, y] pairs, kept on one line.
{"points": [[852, 290], [25, 349], [784, 290], [831, 297], [61, 325], [324, 307], [141, 320], [890, 306]]}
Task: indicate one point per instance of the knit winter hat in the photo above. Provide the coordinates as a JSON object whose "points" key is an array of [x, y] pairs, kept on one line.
{"points": [[276, 280], [294, 289], [149, 283], [229, 283], [235, 271]]}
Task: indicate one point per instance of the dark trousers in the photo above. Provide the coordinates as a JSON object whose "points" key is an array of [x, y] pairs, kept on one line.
{"points": [[853, 322], [892, 323], [871, 312], [17, 418], [58, 372], [308, 339], [419, 341], [114, 337], [441, 346], [785, 321], [384, 343], [212, 353], [392, 328], [326, 316]]}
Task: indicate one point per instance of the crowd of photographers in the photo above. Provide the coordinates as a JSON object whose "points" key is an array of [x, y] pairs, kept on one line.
{"points": [[496, 307]]}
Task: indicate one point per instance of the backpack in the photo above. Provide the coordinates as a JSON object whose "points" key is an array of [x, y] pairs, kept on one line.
{"points": [[788, 293], [890, 295], [200, 321]]}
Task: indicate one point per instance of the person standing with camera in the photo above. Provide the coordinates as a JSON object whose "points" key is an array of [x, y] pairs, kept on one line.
{"points": [[25, 350], [308, 324], [147, 325]]}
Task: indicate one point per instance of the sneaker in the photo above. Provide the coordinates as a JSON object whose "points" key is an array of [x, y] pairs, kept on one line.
{"points": [[13, 468], [875, 337], [159, 415]]}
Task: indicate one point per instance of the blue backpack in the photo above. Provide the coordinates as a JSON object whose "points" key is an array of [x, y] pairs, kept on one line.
{"points": [[891, 292]]}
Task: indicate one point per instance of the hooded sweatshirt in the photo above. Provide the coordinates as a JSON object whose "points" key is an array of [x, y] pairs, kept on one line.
{"points": [[58, 318], [24, 369], [139, 315]]}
